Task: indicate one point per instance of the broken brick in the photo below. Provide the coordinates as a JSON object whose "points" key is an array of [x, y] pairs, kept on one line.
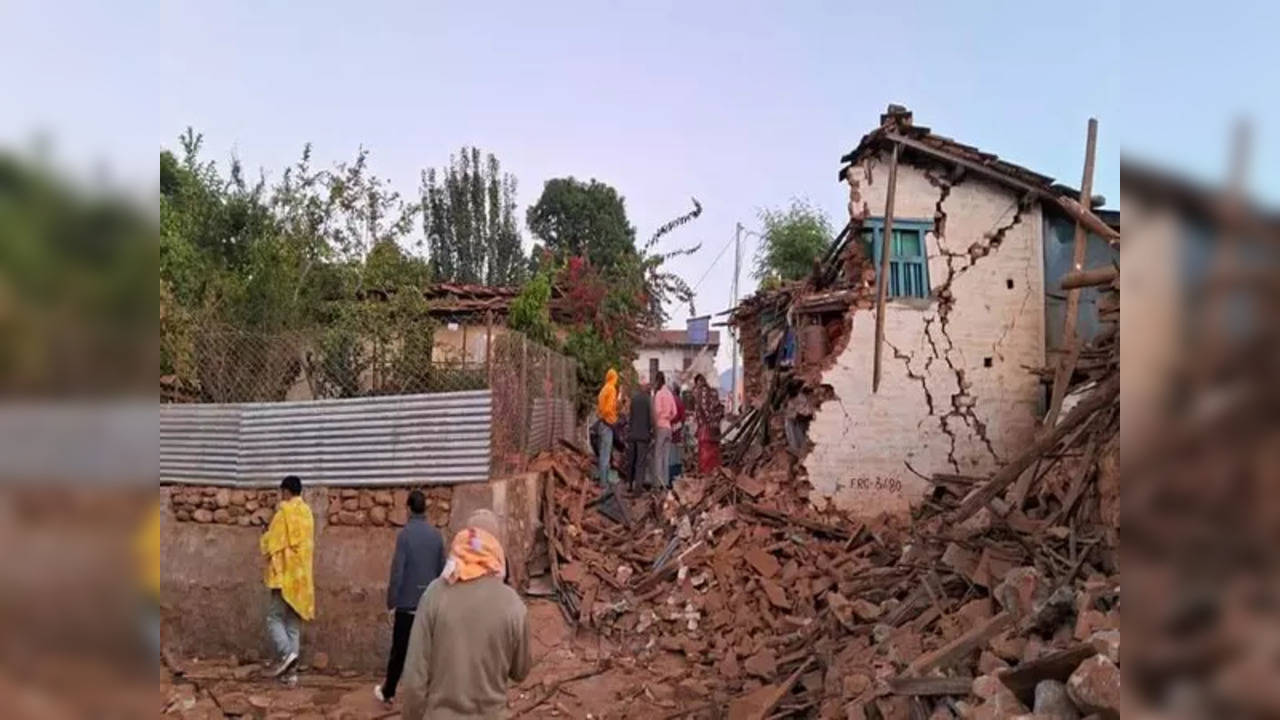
{"points": [[763, 664], [763, 562], [1095, 686]]}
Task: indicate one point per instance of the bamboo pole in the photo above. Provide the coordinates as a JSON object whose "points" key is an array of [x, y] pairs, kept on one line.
{"points": [[882, 282]]}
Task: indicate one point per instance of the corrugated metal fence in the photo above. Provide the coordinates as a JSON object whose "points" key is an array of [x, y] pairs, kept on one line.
{"points": [[402, 439]]}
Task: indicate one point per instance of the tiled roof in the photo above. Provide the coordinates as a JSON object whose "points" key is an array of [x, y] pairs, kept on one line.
{"points": [[898, 120], [677, 338]]}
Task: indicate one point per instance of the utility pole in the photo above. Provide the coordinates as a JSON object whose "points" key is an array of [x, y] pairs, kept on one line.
{"points": [[737, 266]]}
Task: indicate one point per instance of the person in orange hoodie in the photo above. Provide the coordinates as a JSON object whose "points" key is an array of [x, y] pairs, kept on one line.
{"points": [[607, 411]]}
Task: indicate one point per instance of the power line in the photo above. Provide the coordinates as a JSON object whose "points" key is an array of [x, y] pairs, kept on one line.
{"points": [[713, 264]]}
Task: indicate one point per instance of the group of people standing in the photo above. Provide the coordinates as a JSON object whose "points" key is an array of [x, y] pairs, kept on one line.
{"points": [[655, 429], [459, 632]]}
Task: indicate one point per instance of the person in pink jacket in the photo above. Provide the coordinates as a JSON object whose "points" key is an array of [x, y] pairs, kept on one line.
{"points": [[664, 413]]}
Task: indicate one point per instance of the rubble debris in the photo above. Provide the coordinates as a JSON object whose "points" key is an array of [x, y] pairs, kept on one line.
{"points": [[1007, 584]]}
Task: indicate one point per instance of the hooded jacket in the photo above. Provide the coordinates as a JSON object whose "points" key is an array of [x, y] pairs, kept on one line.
{"points": [[607, 400]]}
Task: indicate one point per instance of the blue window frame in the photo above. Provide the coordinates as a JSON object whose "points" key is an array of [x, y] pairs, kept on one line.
{"points": [[908, 264]]}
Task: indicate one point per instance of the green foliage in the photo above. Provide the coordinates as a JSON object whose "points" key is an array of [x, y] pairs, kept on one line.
{"points": [[531, 310], [469, 221], [793, 239], [577, 219], [320, 248], [612, 292]]}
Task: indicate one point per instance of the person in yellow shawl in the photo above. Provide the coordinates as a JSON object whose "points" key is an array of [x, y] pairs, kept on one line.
{"points": [[288, 546], [470, 634], [607, 411], [147, 552]]}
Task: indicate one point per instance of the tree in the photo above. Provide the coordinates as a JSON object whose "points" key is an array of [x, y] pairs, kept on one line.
{"points": [[573, 218], [322, 248], [610, 291], [793, 239], [469, 221]]}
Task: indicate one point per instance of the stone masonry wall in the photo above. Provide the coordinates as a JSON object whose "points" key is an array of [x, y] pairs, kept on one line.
{"points": [[956, 395], [213, 601], [346, 506]]}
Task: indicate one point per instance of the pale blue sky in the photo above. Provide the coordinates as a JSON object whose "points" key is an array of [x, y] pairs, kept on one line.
{"points": [[740, 104]]}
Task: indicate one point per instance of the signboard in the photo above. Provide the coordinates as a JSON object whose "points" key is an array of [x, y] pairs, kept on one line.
{"points": [[698, 330]]}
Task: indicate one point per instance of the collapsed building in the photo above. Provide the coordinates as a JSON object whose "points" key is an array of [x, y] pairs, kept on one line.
{"points": [[973, 323]]}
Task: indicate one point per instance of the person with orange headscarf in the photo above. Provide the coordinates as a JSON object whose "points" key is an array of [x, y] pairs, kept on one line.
{"points": [[470, 634]]}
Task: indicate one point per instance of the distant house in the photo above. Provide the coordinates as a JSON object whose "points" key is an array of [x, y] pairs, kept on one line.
{"points": [[974, 316], [679, 354], [470, 316]]}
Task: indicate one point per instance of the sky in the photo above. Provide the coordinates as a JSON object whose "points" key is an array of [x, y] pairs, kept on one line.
{"points": [[743, 105]]}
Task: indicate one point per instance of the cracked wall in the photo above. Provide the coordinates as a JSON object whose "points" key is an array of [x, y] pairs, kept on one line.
{"points": [[956, 395]]}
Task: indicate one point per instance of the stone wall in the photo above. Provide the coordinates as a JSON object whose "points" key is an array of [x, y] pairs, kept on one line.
{"points": [[212, 595], [956, 395], [346, 506]]}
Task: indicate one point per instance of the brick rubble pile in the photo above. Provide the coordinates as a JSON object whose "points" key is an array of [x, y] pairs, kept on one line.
{"points": [[998, 598]]}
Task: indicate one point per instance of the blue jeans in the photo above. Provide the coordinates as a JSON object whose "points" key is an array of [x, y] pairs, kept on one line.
{"points": [[284, 625], [606, 452]]}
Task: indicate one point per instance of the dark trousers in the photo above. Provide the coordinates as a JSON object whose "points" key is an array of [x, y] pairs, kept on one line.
{"points": [[399, 648], [638, 462]]}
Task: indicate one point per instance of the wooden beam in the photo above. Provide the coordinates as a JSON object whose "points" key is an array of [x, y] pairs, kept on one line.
{"points": [[882, 282], [1079, 212], [1022, 680], [1090, 278], [931, 685], [957, 649], [1096, 400], [1070, 342]]}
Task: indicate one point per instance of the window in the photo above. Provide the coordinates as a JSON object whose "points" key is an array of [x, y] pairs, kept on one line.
{"points": [[653, 369], [908, 267], [688, 362]]}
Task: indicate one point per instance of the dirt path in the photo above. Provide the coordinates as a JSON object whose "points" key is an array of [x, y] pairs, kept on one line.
{"points": [[217, 688]]}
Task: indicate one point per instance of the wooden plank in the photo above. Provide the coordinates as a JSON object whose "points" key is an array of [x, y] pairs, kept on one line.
{"points": [[1098, 399], [1059, 665], [882, 283], [955, 650], [1092, 277], [931, 685], [1070, 341]]}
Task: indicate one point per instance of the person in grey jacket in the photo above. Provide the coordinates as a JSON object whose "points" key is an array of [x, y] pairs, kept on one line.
{"points": [[419, 559]]}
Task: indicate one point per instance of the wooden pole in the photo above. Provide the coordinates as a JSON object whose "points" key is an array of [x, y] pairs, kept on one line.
{"points": [[488, 347], [882, 282], [1090, 278], [1070, 343]]}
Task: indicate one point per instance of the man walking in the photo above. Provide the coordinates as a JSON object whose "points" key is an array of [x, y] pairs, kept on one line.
{"points": [[470, 635], [639, 437], [664, 413], [288, 546], [607, 411], [418, 560]]}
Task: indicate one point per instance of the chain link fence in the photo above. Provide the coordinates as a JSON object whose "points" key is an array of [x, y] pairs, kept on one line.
{"points": [[535, 392], [224, 365], [534, 388]]}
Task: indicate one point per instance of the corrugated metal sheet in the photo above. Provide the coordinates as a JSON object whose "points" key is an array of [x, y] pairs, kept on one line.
{"points": [[550, 420], [402, 439]]}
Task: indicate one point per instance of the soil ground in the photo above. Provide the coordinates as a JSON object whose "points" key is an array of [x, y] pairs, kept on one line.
{"points": [[218, 688]]}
